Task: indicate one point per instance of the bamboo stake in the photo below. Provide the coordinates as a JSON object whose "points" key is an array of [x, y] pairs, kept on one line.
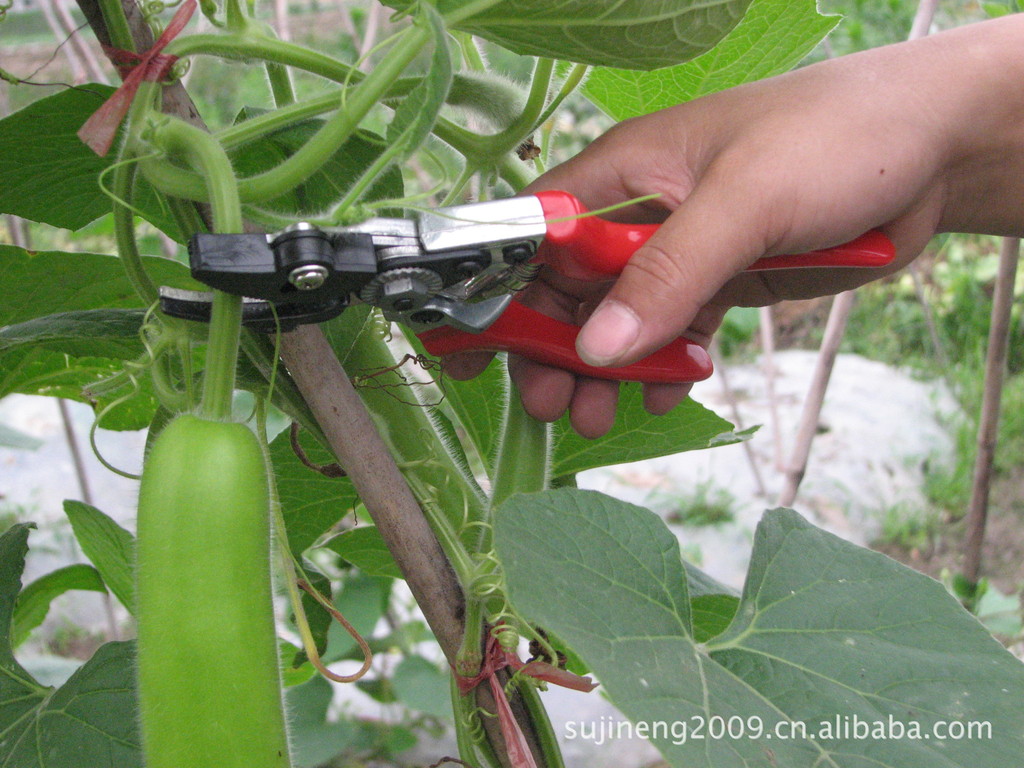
{"points": [[734, 408], [771, 373], [834, 329], [281, 22], [929, 317], [89, 61], [988, 429], [78, 75], [373, 21]]}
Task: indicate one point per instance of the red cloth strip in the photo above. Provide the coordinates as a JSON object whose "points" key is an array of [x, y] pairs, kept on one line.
{"points": [[135, 68], [497, 658]]}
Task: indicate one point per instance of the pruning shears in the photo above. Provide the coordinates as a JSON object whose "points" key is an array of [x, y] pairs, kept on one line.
{"points": [[451, 274]]}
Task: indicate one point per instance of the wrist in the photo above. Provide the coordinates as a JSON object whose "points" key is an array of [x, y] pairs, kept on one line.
{"points": [[982, 74]]}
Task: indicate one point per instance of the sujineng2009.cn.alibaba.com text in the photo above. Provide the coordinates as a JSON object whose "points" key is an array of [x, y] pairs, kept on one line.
{"points": [[718, 728]]}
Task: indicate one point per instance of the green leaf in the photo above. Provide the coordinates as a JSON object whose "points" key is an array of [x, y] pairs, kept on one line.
{"points": [[70, 323], [712, 614], [996, 10], [638, 435], [310, 502], [825, 632], [89, 722], [291, 673], [43, 371], [13, 679], [364, 548], [110, 333], [344, 331], [108, 546], [320, 191], [315, 740], [362, 600], [421, 685], [14, 438], [479, 406], [638, 34], [772, 38], [38, 371], [50, 176], [50, 282], [34, 601]]}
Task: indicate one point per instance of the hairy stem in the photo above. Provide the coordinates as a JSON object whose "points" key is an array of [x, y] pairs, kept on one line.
{"points": [[280, 84], [221, 356], [118, 32], [204, 153], [326, 141], [124, 229], [571, 83], [523, 461]]}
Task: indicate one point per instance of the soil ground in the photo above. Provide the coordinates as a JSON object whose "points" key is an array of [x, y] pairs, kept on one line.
{"points": [[1003, 552]]}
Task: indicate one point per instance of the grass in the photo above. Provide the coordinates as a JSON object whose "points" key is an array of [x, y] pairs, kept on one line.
{"points": [[704, 505], [909, 527]]}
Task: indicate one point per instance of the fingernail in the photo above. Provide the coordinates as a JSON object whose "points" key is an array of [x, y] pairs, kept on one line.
{"points": [[608, 334]]}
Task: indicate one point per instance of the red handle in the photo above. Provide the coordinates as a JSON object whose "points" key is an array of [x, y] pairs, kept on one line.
{"points": [[589, 247], [536, 336]]}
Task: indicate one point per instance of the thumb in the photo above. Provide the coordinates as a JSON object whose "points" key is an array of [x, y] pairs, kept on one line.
{"points": [[702, 245]]}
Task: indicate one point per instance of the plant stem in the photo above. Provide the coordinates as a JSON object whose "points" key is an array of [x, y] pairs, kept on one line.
{"points": [[444, 491], [470, 53], [221, 356], [330, 137], [235, 16], [368, 177], [771, 373], [546, 737], [570, 84], [117, 25], [524, 452], [485, 150], [364, 456], [398, 515], [286, 396], [470, 654], [280, 84], [514, 172], [202, 151], [179, 182], [124, 229], [464, 709], [465, 176], [254, 46]]}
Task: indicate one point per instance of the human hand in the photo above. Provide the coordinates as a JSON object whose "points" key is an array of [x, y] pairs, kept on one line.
{"points": [[800, 162]]}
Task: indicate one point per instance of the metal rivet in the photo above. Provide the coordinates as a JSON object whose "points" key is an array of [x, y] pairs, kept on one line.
{"points": [[517, 253], [468, 269], [308, 277]]}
